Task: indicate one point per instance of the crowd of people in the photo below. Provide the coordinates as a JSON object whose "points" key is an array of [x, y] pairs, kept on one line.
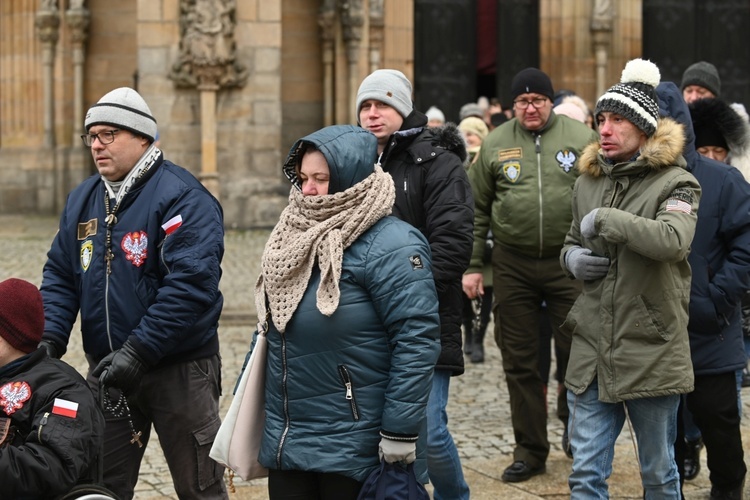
{"points": [[619, 232]]}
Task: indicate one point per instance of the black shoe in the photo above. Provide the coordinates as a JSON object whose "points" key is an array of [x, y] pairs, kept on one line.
{"points": [[566, 445], [745, 378], [692, 463], [727, 494], [477, 353], [468, 344], [520, 471]]}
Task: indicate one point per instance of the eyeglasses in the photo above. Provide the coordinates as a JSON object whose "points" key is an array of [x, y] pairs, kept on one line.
{"points": [[537, 102], [107, 137]]}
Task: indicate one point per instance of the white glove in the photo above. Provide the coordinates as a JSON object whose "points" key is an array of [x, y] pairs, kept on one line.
{"points": [[397, 451]]}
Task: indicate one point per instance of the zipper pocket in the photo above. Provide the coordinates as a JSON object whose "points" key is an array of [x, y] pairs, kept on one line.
{"points": [[347, 380]]}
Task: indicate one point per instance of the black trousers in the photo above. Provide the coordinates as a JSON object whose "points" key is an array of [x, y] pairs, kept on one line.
{"points": [[303, 485], [713, 404]]}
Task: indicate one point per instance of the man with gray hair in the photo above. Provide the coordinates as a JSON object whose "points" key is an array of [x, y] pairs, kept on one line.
{"points": [[138, 254], [432, 194]]}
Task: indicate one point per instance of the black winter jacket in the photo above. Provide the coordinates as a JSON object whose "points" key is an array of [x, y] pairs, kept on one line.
{"points": [[720, 251], [433, 194], [46, 453]]}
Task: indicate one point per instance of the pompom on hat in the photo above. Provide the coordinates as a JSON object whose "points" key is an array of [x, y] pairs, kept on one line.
{"points": [[123, 108], [634, 97], [388, 86], [21, 314]]}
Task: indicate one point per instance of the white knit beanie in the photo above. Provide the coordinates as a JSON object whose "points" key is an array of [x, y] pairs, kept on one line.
{"points": [[388, 86], [123, 108]]}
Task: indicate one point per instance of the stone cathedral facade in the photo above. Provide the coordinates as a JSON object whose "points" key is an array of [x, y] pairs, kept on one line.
{"points": [[233, 83]]}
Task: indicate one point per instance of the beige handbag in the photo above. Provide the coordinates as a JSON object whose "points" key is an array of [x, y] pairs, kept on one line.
{"points": [[237, 442]]}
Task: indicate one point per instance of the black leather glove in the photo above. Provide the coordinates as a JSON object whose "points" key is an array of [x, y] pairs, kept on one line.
{"points": [[51, 347], [122, 369], [585, 266]]}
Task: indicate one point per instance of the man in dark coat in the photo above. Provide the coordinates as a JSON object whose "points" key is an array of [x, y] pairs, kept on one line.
{"points": [[720, 261], [432, 194]]}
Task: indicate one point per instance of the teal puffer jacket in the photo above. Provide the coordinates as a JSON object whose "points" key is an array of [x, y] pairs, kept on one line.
{"points": [[335, 383]]}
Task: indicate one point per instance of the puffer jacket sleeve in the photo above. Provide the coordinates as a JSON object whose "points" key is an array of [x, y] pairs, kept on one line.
{"points": [[729, 284], [59, 292], [449, 212], [191, 256], [399, 280], [666, 238]]}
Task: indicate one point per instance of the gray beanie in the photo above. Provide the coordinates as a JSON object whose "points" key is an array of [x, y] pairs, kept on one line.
{"points": [[703, 74], [124, 108], [634, 98], [388, 86]]}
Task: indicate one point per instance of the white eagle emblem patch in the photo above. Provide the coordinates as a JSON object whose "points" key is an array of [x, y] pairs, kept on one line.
{"points": [[566, 158], [13, 395], [135, 245]]}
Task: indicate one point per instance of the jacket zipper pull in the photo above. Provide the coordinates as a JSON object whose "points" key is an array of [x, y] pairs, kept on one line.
{"points": [[349, 390]]}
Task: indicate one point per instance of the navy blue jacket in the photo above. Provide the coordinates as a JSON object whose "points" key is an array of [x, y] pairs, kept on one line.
{"points": [[163, 291], [720, 252]]}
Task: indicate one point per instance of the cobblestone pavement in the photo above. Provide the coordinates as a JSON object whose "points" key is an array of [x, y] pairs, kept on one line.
{"points": [[478, 409]]}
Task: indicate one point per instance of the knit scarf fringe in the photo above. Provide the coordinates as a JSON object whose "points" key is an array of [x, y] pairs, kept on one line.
{"points": [[317, 228]]}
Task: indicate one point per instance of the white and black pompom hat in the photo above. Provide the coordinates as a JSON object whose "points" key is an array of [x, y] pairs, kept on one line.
{"points": [[635, 96], [123, 108]]}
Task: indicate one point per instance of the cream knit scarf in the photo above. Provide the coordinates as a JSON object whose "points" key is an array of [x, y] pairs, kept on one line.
{"points": [[317, 228]]}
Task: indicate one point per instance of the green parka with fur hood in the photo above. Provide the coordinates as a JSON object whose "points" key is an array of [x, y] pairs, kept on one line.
{"points": [[629, 328]]}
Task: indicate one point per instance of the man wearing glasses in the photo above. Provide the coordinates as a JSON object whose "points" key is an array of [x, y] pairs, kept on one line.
{"points": [[138, 254], [522, 183]]}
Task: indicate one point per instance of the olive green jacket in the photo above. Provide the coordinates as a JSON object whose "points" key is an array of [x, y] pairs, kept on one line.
{"points": [[522, 184], [629, 328]]}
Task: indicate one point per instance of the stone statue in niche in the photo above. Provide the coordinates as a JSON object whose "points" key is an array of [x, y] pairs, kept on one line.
{"points": [[207, 46]]}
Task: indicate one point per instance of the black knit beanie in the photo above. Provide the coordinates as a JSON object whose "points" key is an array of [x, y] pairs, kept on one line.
{"points": [[531, 80]]}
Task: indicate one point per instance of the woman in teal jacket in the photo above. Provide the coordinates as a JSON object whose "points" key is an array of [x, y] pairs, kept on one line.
{"points": [[353, 328]]}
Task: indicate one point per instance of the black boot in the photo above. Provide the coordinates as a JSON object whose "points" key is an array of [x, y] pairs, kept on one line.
{"points": [[735, 493], [693, 458], [468, 344], [477, 353]]}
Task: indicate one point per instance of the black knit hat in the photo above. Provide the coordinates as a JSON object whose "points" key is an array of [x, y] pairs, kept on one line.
{"points": [[704, 74], [635, 96], [531, 80], [716, 124], [21, 314]]}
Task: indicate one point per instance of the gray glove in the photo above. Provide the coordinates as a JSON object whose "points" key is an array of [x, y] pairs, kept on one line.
{"points": [[585, 266], [588, 226], [397, 451]]}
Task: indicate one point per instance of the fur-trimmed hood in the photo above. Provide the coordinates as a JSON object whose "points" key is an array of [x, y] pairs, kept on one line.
{"points": [[449, 137], [661, 150], [721, 117]]}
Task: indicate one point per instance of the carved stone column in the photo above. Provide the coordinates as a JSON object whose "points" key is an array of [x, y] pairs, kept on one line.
{"points": [[207, 62], [352, 20], [376, 31], [47, 25], [602, 17], [327, 23], [77, 17]]}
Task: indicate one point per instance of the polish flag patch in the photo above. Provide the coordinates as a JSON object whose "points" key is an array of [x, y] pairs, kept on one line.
{"points": [[172, 224], [65, 408]]}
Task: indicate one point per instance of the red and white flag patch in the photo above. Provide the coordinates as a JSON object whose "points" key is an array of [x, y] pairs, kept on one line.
{"points": [[674, 205], [65, 408], [172, 224]]}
